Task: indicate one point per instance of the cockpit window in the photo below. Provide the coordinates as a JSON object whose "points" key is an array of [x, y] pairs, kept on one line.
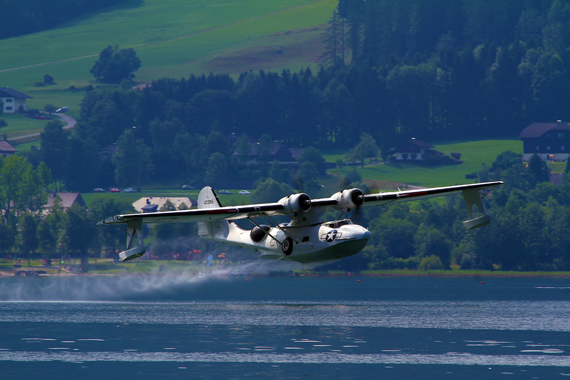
{"points": [[339, 223]]}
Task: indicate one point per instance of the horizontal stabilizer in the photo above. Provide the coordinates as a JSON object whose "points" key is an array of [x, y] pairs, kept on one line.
{"points": [[133, 253]]}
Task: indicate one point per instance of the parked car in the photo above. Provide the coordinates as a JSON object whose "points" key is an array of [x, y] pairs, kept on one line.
{"points": [[114, 190], [187, 187], [62, 109], [244, 192], [129, 190], [224, 192], [98, 190]]}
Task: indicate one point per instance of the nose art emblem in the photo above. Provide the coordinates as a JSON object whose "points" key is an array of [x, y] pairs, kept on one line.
{"points": [[331, 235]]}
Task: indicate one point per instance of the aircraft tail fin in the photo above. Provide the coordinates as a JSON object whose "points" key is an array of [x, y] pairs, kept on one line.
{"points": [[208, 198], [473, 198]]}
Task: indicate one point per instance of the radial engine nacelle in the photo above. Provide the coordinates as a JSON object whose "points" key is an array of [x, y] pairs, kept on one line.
{"points": [[349, 199], [296, 203]]}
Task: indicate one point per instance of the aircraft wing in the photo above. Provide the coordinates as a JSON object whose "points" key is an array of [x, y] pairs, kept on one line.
{"points": [[473, 194], [199, 215], [299, 207], [345, 200], [413, 195]]}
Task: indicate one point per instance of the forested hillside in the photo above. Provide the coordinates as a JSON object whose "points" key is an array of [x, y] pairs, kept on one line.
{"points": [[460, 68], [436, 70], [29, 16]]}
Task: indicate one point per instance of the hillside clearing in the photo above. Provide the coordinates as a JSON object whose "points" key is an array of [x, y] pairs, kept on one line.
{"points": [[172, 40]]}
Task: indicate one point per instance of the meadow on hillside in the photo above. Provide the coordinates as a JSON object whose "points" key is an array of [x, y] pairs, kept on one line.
{"points": [[473, 155], [172, 40]]}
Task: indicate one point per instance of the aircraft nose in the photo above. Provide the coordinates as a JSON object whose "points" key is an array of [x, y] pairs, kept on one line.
{"points": [[366, 235]]}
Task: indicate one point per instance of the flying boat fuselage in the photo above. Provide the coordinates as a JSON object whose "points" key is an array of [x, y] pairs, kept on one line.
{"points": [[328, 241]]}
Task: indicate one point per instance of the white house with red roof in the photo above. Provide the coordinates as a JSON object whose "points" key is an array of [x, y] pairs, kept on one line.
{"points": [[11, 100]]}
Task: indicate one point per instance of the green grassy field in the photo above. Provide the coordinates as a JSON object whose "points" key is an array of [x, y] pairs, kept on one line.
{"points": [[172, 38], [19, 125], [473, 155]]}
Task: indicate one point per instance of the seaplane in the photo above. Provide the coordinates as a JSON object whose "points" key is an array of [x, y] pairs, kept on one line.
{"points": [[305, 238]]}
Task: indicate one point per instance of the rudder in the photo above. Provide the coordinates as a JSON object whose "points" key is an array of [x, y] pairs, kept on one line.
{"points": [[208, 198]]}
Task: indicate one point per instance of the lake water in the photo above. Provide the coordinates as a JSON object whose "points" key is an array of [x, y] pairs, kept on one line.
{"points": [[214, 327]]}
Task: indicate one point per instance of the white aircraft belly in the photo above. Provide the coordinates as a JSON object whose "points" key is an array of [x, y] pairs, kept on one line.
{"points": [[310, 244]]}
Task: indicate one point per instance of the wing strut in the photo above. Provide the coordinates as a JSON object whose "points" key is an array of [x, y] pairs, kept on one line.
{"points": [[474, 198], [135, 248]]}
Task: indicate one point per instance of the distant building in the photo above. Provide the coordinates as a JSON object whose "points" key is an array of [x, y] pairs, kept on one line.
{"points": [[6, 149], [107, 152], [279, 152], [414, 150], [48, 79], [152, 204], [12, 100], [68, 200], [549, 140]]}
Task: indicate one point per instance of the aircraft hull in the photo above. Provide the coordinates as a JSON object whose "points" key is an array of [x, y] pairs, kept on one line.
{"points": [[312, 244], [331, 253]]}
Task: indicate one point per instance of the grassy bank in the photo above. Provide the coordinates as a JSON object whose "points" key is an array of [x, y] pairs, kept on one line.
{"points": [[158, 267]]}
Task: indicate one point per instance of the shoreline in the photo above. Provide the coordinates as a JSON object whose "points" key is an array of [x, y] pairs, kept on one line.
{"points": [[36, 272]]}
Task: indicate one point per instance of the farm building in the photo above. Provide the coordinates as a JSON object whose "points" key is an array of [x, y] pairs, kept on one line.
{"points": [[414, 150], [549, 140], [67, 200], [152, 204], [6, 149], [12, 100]]}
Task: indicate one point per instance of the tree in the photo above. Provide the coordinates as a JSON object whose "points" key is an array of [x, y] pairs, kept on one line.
{"points": [[44, 175], [3, 122], [7, 237], [116, 64], [279, 173], [366, 148], [50, 108], [191, 149], [133, 162], [538, 168], [28, 235], [49, 231], [54, 145], [335, 41], [431, 263], [101, 208], [243, 149], [78, 235], [12, 174], [314, 156], [307, 173], [270, 190], [217, 167]]}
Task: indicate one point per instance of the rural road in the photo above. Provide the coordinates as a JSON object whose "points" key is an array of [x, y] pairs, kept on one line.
{"points": [[69, 124]]}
